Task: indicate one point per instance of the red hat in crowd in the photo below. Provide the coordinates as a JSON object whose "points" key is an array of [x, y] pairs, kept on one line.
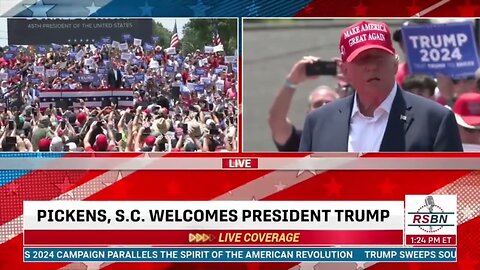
{"points": [[362, 36], [101, 142], [150, 140], [81, 117], [467, 110], [44, 145]]}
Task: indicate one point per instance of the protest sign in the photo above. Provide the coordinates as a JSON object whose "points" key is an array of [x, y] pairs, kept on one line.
{"points": [[51, 72], [230, 59], [171, 50], [123, 46], [208, 49]]}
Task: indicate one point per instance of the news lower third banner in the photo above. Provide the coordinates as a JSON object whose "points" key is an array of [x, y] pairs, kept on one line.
{"points": [[421, 228], [149, 254]]}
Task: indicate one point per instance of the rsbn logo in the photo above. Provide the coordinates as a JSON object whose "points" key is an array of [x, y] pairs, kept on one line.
{"points": [[431, 217]]}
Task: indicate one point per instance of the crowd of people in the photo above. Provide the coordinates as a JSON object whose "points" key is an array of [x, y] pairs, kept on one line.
{"points": [[460, 95], [179, 102]]}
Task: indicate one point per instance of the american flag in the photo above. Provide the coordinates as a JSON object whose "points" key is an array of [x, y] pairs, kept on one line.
{"points": [[216, 40], [174, 41]]}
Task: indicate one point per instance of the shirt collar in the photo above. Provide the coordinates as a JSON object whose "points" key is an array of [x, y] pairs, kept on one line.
{"points": [[385, 106]]}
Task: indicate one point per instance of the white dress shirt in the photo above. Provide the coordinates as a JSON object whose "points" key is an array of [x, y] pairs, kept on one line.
{"points": [[366, 133]]}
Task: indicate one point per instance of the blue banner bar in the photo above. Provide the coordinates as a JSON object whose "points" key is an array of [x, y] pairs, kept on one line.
{"points": [[205, 254]]}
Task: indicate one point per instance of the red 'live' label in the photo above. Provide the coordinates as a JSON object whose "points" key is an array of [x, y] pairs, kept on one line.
{"points": [[240, 163]]}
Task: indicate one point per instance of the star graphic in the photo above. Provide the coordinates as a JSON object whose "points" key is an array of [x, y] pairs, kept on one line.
{"points": [[333, 187], [302, 171], [254, 199], [360, 10], [12, 188], [146, 10], [65, 185], [93, 265], [252, 9], [360, 265], [413, 8], [387, 187], [308, 266], [92, 9], [39, 9], [199, 10], [280, 186]]}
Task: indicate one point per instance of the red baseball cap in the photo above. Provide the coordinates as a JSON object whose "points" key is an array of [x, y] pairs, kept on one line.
{"points": [[81, 117], [362, 36], [44, 145], [101, 143], [150, 140], [467, 110]]}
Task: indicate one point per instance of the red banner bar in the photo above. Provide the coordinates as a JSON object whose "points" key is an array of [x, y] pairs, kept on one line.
{"points": [[211, 237]]}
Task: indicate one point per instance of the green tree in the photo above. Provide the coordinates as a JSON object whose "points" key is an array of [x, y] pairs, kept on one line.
{"points": [[199, 32], [163, 33]]}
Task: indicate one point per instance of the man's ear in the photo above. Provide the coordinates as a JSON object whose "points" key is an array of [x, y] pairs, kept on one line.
{"points": [[344, 69]]}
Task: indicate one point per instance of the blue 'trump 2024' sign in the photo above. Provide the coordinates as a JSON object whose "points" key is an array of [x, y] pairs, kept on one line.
{"points": [[448, 49]]}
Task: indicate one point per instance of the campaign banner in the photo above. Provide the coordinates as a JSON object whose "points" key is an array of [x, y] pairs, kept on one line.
{"points": [[106, 40], [3, 76], [448, 49], [230, 59], [139, 77], [200, 71], [169, 69], [39, 69], [8, 56], [123, 46], [199, 88], [208, 49], [137, 42], [41, 49], [51, 72], [218, 48], [205, 80], [148, 47], [85, 78], [126, 37], [64, 74], [126, 56], [171, 50], [246, 254], [34, 80], [12, 72]]}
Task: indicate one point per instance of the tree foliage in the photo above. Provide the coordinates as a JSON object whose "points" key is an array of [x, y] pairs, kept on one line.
{"points": [[163, 33], [199, 33]]}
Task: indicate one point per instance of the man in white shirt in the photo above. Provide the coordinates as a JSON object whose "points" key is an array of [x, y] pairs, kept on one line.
{"points": [[380, 116]]}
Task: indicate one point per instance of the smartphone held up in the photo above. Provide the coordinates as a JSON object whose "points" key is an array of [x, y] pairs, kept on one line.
{"points": [[321, 67]]}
